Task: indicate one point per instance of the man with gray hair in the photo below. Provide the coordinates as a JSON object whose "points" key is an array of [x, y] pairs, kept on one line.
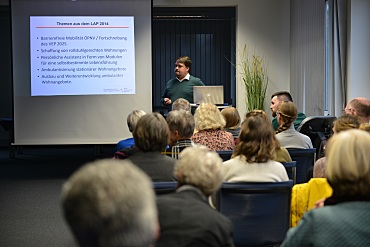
{"points": [[181, 124], [185, 217], [110, 203], [359, 106], [132, 119], [181, 104]]}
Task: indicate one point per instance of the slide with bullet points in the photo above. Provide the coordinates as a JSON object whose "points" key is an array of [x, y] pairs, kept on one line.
{"points": [[79, 55], [79, 68]]}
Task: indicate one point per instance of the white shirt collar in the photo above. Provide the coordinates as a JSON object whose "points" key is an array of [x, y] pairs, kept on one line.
{"points": [[187, 77]]}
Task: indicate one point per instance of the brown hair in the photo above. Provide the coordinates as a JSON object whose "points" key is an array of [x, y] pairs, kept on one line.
{"points": [[185, 60], [346, 122], [232, 117], [288, 113], [263, 114], [151, 133], [256, 140]]}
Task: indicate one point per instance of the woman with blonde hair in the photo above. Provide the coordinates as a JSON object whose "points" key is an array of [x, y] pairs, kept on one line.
{"points": [[209, 124], [253, 157], [343, 220], [286, 134], [365, 126]]}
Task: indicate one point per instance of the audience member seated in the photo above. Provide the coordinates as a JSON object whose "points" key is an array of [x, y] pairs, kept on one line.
{"points": [[232, 119], [281, 153], [151, 137], [360, 107], [132, 119], [365, 126], [286, 134], [185, 217], [209, 124], [110, 203], [181, 104], [181, 124], [345, 122], [276, 99], [252, 160], [343, 220]]}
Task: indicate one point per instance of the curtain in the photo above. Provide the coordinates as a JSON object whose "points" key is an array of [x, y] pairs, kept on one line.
{"points": [[337, 11]]}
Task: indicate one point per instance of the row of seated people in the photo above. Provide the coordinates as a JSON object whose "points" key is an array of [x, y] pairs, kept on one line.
{"points": [[209, 124], [343, 123], [112, 202], [256, 144]]}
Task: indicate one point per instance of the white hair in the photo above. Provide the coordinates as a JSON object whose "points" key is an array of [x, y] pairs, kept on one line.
{"points": [[110, 203]]}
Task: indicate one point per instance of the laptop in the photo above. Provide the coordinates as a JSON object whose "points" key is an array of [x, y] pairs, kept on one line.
{"points": [[208, 94]]}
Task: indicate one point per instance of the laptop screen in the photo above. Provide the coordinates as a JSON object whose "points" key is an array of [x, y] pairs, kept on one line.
{"points": [[209, 94]]}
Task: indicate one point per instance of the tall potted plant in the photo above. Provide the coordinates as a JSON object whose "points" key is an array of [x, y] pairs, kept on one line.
{"points": [[253, 71]]}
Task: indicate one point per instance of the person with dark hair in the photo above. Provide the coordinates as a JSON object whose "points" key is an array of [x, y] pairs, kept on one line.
{"points": [[281, 153], [182, 85], [110, 203], [342, 219], [276, 99], [286, 134], [181, 124], [253, 157], [185, 217], [360, 107], [151, 138]]}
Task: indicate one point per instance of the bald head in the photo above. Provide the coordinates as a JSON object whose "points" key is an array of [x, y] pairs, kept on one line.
{"points": [[359, 106]]}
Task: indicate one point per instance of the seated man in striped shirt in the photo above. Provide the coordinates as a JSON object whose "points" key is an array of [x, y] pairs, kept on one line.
{"points": [[181, 124]]}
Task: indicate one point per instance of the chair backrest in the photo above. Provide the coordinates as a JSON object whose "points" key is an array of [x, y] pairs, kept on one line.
{"points": [[319, 129], [162, 188], [225, 154], [305, 159], [260, 212], [290, 168]]}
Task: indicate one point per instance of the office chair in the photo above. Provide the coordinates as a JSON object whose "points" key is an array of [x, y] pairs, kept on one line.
{"points": [[305, 159], [291, 169], [162, 188], [225, 154], [319, 129], [260, 212]]}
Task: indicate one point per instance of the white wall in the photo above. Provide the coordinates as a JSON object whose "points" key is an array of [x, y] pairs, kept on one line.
{"points": [[264, 25], [359, 50]]}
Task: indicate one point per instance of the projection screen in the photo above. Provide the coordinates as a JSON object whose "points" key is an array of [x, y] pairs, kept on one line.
{"points": [[79, 68]]}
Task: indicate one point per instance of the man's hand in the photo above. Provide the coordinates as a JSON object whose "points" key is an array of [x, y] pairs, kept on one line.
{"points": [[167, 101]]}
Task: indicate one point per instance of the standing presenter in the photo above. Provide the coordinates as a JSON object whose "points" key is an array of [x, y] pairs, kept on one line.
{"points": [[182, 85]]}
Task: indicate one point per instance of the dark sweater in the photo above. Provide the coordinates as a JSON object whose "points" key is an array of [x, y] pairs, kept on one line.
{"points": [[175, 89]]}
